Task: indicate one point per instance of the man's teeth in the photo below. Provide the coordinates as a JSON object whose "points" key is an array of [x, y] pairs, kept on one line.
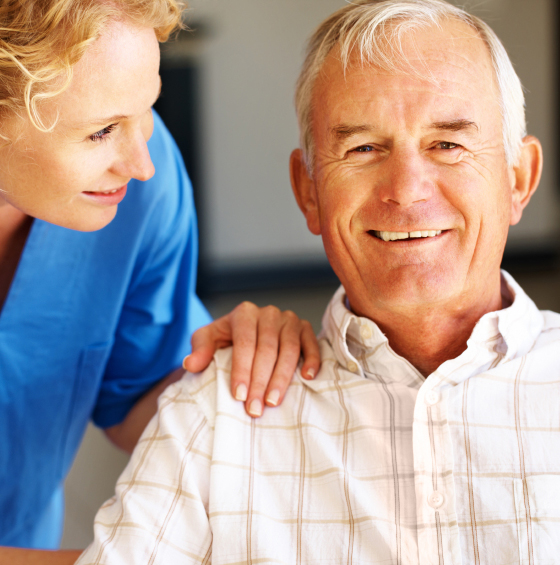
{"points": [[394, 235]]}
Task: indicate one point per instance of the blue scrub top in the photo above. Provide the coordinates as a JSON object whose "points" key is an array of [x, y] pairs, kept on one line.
{"points": [[91, 322]]}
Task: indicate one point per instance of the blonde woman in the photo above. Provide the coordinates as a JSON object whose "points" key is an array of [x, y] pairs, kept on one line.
{"points": [[98, 307]]}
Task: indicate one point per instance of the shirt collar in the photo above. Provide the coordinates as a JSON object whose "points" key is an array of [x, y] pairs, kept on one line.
{"points": [[336, 321], [518, 325], [359, 344], [510, 332]]}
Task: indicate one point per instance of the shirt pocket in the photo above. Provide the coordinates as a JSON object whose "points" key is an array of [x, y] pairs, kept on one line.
{"points": [[91, 368], [537, 507]]}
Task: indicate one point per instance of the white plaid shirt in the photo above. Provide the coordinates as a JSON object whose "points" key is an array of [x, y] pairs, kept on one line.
{"points": [[368, 463]]}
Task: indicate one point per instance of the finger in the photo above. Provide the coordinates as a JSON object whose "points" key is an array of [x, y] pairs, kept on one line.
{"points": [[269, 328], [310, 350], [288, 357], [205, 341], [244, 321]]}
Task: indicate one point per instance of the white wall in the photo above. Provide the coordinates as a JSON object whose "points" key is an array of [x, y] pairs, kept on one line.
{"points": [[250, 63], [251, 59]]}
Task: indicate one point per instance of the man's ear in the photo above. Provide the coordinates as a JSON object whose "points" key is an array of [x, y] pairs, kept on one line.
{"points": [[304, 191], [527, 174]]}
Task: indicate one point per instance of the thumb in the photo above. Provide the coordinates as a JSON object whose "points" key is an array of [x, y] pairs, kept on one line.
{"points": [[204, 343], [199, 359]]}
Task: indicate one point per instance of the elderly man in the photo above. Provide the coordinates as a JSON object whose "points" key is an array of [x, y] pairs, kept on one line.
{"points": [[431, 434]]}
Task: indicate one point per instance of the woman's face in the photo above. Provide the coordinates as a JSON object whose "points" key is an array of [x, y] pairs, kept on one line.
{"points": [[76, 175]]}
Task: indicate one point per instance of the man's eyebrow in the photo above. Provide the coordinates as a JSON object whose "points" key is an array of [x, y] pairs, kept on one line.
{"points": [[110, 119], [455, 125], [341, 132], [344, 131]]}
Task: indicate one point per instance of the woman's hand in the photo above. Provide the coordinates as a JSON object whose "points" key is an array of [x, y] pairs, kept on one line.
{"points": [[267, 344]]}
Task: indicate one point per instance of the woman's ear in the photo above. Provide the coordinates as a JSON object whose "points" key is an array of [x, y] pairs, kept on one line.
{"points": [[304, 191], [527, 174]]}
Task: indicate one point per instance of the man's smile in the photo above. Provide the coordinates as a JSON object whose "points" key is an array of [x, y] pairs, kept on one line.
{"points": [[398, 235]]}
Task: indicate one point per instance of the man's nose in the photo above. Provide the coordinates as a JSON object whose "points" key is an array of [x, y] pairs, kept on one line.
{"points": [[405, 180], [134, 159]]}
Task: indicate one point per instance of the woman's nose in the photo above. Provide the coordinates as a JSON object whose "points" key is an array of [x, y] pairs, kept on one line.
{"points": [[134, 159]]}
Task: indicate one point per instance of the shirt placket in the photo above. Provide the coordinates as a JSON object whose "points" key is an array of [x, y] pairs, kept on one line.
{"points": [[433, 469]]}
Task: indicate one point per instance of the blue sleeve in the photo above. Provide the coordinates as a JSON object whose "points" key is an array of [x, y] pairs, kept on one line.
{"points": [[160, 310]]}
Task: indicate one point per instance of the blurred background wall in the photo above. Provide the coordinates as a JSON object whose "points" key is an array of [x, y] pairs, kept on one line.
{"points": [[227, 97]]}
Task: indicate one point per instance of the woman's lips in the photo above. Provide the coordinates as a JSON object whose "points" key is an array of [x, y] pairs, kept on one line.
{"points": [[109, 197]]}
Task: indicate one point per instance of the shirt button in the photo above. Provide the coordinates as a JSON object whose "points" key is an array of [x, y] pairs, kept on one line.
{"points": [[432, 397], [436, 499], [352, 367], [365, 332]]}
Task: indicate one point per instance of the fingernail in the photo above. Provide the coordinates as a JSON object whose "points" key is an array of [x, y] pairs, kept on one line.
{"points": [[311, 373], [255, 408], [241, 392], [185, 362], [273, 397]]}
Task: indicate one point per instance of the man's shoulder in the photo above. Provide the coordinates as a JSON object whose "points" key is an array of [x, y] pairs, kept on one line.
{"points": [[551, 327], [544, 352], [551, 319], [208, 391]]}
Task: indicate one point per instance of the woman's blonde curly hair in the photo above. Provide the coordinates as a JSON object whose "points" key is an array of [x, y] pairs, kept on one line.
{"points": [[41, 41]]}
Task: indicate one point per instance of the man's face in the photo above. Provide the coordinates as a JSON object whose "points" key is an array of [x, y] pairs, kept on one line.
{"points": [[398, 156]]}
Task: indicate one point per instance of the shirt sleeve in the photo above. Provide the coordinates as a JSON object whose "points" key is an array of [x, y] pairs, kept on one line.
{"points": [[160, 310], [159, 514]]}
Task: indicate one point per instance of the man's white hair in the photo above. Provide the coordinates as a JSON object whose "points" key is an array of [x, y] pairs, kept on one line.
{"points": [[373, 29]]}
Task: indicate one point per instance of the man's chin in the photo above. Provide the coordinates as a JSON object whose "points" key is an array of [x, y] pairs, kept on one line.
{"points": [[415, 289]]}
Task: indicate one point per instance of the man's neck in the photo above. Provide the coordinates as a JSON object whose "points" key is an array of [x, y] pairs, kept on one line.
{"points": [[429, 336]]}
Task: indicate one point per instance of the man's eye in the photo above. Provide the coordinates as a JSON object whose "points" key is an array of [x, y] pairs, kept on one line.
{"points": [[447, 145], [363, 149], [102, 133]]}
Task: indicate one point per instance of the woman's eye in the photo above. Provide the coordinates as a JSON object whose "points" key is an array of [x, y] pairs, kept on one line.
{"points": [[363, 149], [447, 145], [102, 133]]}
